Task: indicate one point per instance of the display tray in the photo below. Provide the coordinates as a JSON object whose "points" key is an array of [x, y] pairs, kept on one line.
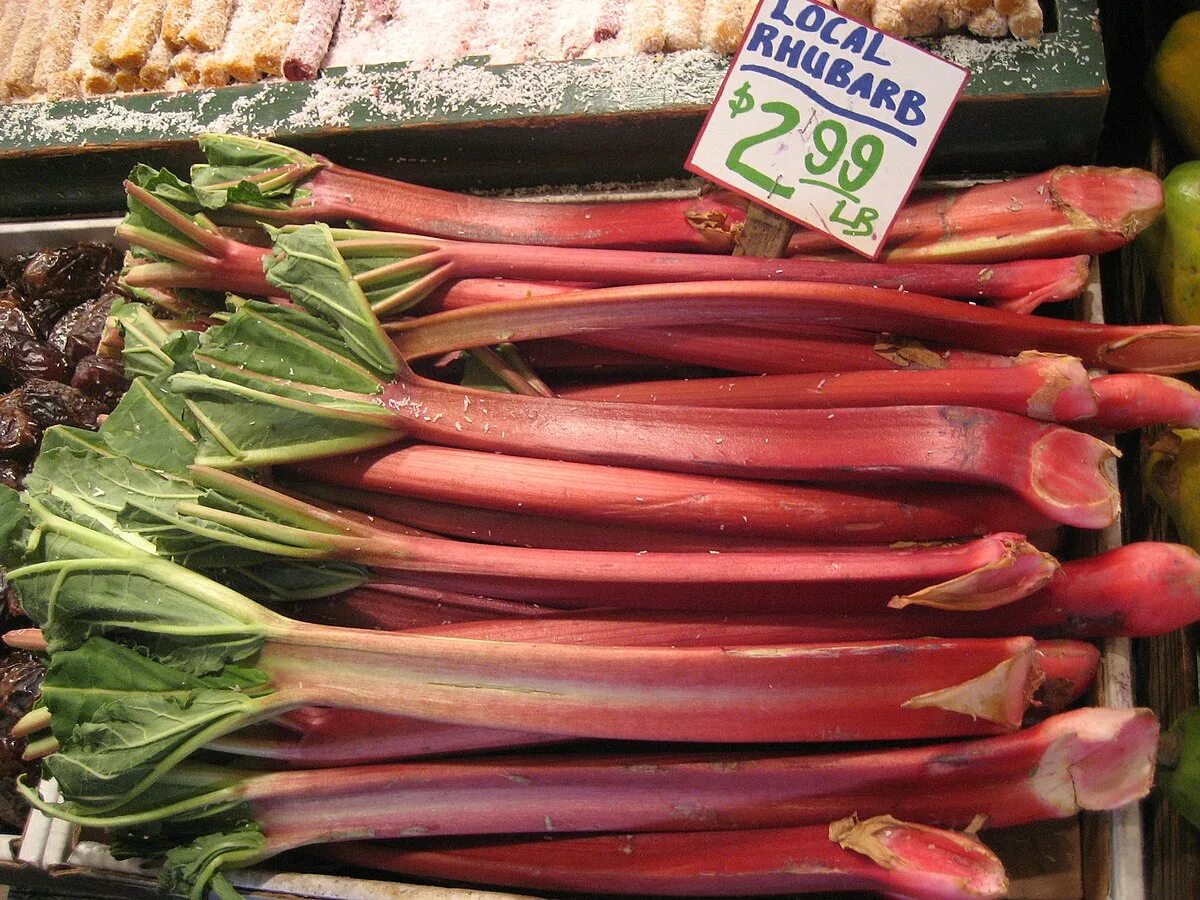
{"points": [[1094, 856], [544, 119]]}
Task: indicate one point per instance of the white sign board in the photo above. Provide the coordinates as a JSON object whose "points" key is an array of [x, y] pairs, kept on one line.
{"points": [[826, 120]]}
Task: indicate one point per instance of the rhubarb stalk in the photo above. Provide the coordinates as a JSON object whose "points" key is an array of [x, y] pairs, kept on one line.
{"points": [[1162, 349], [1050, 388], [1067, 210], [1091, 759], [635, 499], [917, 861]]}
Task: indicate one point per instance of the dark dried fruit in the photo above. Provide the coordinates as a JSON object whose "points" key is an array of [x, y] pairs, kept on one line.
{"points": [[21, 676], [102, 378], [69, 274], [22, 358], [86, 328], [19, 434], [13, 320], [12, 473], [52, 403]]}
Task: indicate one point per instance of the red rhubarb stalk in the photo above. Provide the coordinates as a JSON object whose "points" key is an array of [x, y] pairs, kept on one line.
{"points": [[1130, 401], [1162, 349], [847, 691], [517, 530], [756, 349], [1050, 388], [221, 263], [336, 194], [1139, 590], [351, 737], [607, 495], [1059, 472], [1069, 668], [1090, 759], [1068, 210], [913, 862], [981, 573]]}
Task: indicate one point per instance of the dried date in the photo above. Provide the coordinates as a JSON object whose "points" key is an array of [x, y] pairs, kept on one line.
{"points": [[52, 403], [102, 378], [19, 433]]}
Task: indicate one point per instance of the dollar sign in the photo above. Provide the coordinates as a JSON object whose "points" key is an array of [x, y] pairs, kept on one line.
{"points": [[741, 102]]}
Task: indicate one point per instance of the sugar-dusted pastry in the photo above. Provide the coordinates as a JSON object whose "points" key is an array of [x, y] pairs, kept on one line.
{"points": [[643, 26], [130, 46], [209, 21], [157, 68], [12, 14], [724, 22], [52, 75], [311, 38], [269, 54], [175, 19], [114, 22], [681, 24], [26, 47]]}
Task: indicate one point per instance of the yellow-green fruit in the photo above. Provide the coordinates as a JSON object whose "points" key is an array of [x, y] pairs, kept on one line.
{"points": [[1173, 245], [1171, 475], [1175, 82]]}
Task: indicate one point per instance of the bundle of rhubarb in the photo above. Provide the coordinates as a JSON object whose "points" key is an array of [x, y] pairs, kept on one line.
{"points": [[376, 497]]}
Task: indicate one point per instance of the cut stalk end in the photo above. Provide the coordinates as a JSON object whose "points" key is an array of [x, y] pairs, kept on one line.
{"points": [[968, 867], [1000, 695], [1082, 495], [1099, 759], [1020, 570]]}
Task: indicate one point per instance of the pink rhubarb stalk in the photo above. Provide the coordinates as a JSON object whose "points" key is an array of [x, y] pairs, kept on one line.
{"points": [[221, 263], [848, 691], [1059, 472], [1050, 388], [881, 856], [1069, 668], [1068, 210], [1130, 401], [769, 347], [337, 194], [518, 530], [978, 574], [640, 498], [1161, 349], [351, 737], [1090, 759]]}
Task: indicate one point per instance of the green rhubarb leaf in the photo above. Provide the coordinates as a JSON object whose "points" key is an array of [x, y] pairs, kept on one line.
{"points": [[305, 263], [124, 721], [131, 742], [66, 437], [180, 617], [144, 337], [293, 580], [250, 172], [193, 870], [80, 683], [151, 426], [171, 190], [242, 426], [14, 527], [139, 505], [289, 345]]}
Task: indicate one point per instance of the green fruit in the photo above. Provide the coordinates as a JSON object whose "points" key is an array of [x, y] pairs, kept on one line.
{"points": [[1174, 245], [1173, 81]]}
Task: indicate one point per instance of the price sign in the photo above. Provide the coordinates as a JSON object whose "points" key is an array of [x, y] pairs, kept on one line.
{"points": [[826, 121]]}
